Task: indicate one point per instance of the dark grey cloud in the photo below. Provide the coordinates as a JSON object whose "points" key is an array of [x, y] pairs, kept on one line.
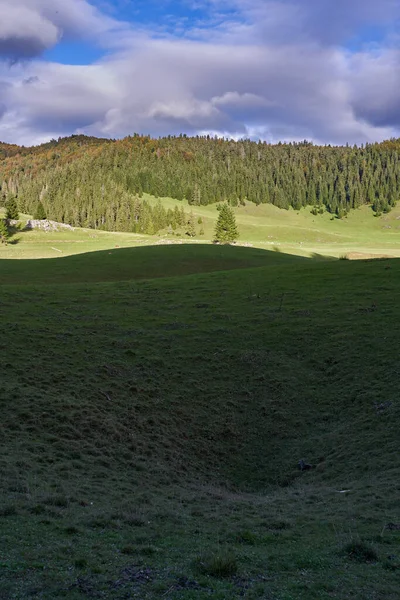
{"points": [[14, 48], [375, 88], [29, 27], [24, 32]]}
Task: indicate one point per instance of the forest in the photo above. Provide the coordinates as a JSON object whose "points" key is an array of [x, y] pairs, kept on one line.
{"points": [[99, 183]]}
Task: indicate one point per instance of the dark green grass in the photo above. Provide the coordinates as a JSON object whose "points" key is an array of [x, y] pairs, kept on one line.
{"points": [[138, 263], [151, 430]]}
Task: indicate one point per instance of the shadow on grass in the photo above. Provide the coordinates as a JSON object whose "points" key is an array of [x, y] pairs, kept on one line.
{"points": [[13, 230], [140, 263], [14, 238], [147, 262], [322, 257]]}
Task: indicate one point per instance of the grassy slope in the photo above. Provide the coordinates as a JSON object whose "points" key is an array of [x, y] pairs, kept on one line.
{"points": [[149, 427], [302, 233]]}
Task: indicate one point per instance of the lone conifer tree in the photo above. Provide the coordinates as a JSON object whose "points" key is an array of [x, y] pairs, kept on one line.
{"points": [[4, 235], [226, 230], [40, 213], [12, 209]]}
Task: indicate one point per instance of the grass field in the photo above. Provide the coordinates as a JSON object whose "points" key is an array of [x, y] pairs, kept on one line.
{"points": [[156, 397], [151, 428]]}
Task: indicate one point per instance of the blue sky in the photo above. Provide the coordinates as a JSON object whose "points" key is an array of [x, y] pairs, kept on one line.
{"points": [[176, 18], [326, 70], [73, 52]]}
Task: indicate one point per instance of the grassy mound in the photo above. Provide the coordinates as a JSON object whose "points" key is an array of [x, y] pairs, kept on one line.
{"points": [[138, 263], [151, 430]]}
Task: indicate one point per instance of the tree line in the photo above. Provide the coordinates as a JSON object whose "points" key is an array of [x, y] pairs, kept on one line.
{"points": [[100, 183]]}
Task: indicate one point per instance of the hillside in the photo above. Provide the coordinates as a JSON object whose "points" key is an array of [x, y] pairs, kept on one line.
{"points": [[89, 182], [151, 429]]}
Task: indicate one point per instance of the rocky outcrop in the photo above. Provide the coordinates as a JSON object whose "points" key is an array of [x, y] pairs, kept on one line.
{"points": [[47, 225]]}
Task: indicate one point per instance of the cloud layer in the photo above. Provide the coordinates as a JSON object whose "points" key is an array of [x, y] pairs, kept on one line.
{"points": [[327, 22], [271, 69]]}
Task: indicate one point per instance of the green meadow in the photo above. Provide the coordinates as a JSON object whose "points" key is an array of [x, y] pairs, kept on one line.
{"points": [[265, 226], [156, 399]]}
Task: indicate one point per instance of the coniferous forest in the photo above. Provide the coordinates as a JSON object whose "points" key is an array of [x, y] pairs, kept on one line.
{"points": [[99, 183]]}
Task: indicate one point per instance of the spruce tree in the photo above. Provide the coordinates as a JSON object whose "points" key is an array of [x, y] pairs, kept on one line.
{"points": [[191, 229], [12, 213], [40, 213], [4, 233], [226, 230]]}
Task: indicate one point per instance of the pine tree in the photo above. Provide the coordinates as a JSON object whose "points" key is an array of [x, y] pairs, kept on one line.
{"points": [[12, 213], [196, 196], [226, 230], [191, 229], [40, 213], [4, 233]]}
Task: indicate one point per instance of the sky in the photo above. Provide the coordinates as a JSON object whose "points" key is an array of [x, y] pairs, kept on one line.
{"points": [[277, 70]]}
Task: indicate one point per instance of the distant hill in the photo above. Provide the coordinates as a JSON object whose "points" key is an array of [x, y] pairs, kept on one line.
{"points": [[99, 183]]}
